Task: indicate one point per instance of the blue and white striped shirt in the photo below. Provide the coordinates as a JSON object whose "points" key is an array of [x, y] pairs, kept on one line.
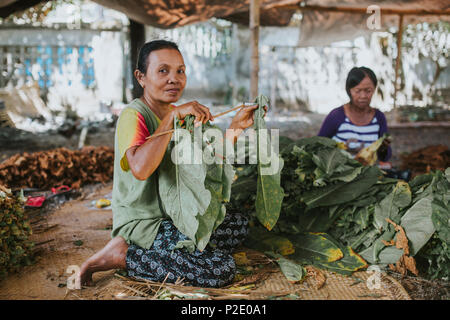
{"points": [[338, 127]]}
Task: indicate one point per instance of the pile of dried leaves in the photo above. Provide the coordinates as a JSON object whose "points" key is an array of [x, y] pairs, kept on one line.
{"points": [[14, 233], [56, 167], [427, 159]]}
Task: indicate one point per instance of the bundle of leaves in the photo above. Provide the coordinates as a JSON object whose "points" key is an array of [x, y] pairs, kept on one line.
{"points": [[329, 195], [46, 169], [194, 191], [14, 234]]}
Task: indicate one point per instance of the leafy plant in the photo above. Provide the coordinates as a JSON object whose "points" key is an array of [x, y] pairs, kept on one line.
{"points": [[15, 230]]}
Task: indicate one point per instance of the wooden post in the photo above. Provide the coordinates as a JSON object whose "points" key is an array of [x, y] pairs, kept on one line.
{"points": [[273, 79], [254, 39], [137, 40], [234, 56], [398, 59]]}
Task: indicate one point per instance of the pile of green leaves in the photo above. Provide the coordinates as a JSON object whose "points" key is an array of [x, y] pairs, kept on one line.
{"points": [[15, 247], [328, 192]]}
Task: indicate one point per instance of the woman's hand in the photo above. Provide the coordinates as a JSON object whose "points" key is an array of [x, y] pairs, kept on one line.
{"points": [[201, 113], [244, 118]]}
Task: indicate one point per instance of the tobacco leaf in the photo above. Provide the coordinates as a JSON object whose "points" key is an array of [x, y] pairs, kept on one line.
{"points": [[182, 190], [441, 219], [349, 263], [418, 224], [326, 196], [266, 241], [390, 206], [293, 271], [312, 248], [269, 193], [194, 194]]}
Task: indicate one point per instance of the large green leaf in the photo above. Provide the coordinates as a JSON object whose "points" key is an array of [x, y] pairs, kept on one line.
{"points": [[292, 271], [351, 262], [441, 219], [311, 248], [342, 192], [183, 193], [386, 256], [418, 224], [263, 240], [269, 193], [218, 182], [328, 160], [390, 206]]}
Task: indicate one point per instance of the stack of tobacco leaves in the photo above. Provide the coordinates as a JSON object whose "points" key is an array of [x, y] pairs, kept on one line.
{"points": [[340, 215], [426, 159], [61, 166], [15, 248], [194, 193]]}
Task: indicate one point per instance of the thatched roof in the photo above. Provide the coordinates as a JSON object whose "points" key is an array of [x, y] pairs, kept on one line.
{"points": [[177, 13]]}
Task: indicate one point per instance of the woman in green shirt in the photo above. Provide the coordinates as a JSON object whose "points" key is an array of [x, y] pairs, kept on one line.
{"points": [[143, 236]]}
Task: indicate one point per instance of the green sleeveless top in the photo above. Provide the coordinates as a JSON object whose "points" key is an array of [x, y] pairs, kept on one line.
{"points": [[136, 205]]}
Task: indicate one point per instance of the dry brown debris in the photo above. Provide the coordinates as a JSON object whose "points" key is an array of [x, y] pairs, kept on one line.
{"points": [[405, 262], [61, 166], [427, 159], [318, 275]]}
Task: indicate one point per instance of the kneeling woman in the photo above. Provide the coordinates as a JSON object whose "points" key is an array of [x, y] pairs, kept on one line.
{"points": [[143, 234]]}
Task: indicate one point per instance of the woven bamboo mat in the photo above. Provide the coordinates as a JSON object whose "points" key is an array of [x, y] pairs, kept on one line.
{"points": [[264, 283], [336, 287]]}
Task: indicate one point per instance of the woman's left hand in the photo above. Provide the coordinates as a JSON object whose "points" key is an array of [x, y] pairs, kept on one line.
{"points": [[244, 118]]}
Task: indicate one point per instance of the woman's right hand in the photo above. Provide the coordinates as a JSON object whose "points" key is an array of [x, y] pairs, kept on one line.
{"points": [[201, 112]]}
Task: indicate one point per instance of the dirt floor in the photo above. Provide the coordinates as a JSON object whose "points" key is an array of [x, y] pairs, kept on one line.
{"points": [[76, 230]]}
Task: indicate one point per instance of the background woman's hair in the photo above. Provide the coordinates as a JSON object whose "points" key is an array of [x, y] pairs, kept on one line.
{"points": [[150, 46], [356, 75]]}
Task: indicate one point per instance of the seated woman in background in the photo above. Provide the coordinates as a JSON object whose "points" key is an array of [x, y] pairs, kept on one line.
{"points": [[356, 123]]}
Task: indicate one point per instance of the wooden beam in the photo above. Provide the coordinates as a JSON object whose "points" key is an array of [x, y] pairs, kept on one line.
{"points": [[17, 6], [418, 12], [137, 40], [254, 42]]}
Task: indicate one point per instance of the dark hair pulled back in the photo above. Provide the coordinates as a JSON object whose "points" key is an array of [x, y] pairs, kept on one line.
{"points": [[356, 75], [150, 46]]}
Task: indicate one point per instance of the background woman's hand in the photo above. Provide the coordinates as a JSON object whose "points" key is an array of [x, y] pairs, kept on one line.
{"points": [[201, 112], [244, 118]]}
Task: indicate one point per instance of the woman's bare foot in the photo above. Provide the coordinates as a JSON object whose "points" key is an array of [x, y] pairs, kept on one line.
{"points": [[112, 256]]}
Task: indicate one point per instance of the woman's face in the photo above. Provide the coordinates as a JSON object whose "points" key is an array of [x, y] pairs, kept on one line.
{"points": [[362, 93], [165, 78]]}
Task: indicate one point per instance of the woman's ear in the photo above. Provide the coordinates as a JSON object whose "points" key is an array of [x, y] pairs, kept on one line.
{"points": [[138, 75]]}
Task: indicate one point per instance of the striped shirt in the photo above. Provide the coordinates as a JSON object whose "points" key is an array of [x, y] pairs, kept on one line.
{"points": [[338, 127]]}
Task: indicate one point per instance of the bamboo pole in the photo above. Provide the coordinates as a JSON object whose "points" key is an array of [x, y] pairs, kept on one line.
{"points": [[254, 41], [398, 59], [214, 116]]}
